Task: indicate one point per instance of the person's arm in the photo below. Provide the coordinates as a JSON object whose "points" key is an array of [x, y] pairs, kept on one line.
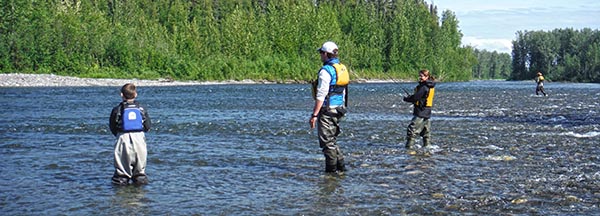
{"points": [[322, 91], [315, 113], [112, 123], [147, 122], [418, 95], [410, 98]]}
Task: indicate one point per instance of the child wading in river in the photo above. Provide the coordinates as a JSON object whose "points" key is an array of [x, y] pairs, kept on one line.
{"points": [[128, 122]]}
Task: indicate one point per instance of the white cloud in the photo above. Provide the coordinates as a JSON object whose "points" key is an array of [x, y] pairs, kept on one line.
{"points": [[499, 45], [492, 24]]}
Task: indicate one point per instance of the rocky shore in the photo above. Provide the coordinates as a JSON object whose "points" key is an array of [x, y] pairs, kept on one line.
{"points": [[51, 80]]}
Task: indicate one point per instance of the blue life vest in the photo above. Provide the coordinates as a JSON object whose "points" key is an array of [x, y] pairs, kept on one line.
{"points": [[336, 93], [131, 118]]}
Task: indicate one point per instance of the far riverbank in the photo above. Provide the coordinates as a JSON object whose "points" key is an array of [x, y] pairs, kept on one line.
{"points": [[51, 80]]}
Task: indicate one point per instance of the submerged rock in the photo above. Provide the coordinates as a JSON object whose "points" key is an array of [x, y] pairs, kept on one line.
{"points": [[571, 198], [519, 201], [438, 195]]}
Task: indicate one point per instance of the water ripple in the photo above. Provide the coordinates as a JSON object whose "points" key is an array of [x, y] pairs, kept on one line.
{"points": [[247, 150]]}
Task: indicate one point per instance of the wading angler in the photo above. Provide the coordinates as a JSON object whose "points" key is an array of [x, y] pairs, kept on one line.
{"points": [[422, 101], [330, 94]]}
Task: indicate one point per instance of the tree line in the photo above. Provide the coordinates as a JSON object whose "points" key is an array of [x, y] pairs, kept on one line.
{"points": [[560, 54], [492, 65], [230, 40]]}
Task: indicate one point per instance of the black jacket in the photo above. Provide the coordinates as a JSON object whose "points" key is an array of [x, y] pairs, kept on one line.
{"points": [[115, 118], [419, 99]]}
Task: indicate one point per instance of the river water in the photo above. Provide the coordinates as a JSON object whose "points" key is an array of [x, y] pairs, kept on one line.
{"points": [[247, 150]]}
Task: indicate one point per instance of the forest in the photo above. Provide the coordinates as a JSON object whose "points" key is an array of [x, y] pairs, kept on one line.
{"points": [[492, 65], [561, 55], [231, 40], [272, 40]]}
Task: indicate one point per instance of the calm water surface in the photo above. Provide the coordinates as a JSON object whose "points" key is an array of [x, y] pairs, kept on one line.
{"points": [[247, 150]]}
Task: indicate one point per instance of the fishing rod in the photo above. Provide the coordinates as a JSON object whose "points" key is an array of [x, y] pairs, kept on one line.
{"points": [[397, 82], [356, 74], [391, 78], [407, 93]]}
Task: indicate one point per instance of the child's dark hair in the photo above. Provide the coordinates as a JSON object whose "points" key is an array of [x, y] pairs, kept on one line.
{"points": [[128, 90], [426, 73]]}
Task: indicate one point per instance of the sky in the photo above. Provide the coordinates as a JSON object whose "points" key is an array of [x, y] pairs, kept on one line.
{"points": [[492, 24]]}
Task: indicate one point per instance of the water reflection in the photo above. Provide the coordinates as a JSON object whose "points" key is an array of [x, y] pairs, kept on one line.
{"points": [[130, 199], [330, 185], [330, 194]]}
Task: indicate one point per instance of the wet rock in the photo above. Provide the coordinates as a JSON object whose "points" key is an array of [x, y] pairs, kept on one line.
{"points": [[51, 80], [519, 201], [414, 172], [438, 195], [572, 199], [501, 158]]}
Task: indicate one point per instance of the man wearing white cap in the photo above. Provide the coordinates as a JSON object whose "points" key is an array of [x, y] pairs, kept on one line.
{"points": [[330, 106]]}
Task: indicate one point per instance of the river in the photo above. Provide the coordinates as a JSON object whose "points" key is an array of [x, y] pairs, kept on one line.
{"points": [[248, 150]]}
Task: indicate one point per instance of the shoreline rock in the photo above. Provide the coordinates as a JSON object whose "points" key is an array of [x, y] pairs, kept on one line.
{"points": [[51, 80]]}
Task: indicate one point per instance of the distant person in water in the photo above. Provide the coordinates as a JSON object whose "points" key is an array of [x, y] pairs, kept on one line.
{"points": [[422, 101], [540, 84], [128, 122]]}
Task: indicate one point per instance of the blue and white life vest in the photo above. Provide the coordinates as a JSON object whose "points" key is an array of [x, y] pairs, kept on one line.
{"points": [[336, 92], [131, 118]]}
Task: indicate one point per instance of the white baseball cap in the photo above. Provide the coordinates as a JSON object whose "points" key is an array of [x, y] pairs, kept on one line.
{"points": [[329, 47]]}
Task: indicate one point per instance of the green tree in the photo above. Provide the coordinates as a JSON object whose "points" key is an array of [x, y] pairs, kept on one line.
{"points": [[561, 54], [237, 39]]}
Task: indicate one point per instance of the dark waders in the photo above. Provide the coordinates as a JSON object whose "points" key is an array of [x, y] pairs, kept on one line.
{"points": [[329, 129], [421, 127]]}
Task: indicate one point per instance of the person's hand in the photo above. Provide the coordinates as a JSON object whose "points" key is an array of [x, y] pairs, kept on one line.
{"points": [[312, 122]]}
